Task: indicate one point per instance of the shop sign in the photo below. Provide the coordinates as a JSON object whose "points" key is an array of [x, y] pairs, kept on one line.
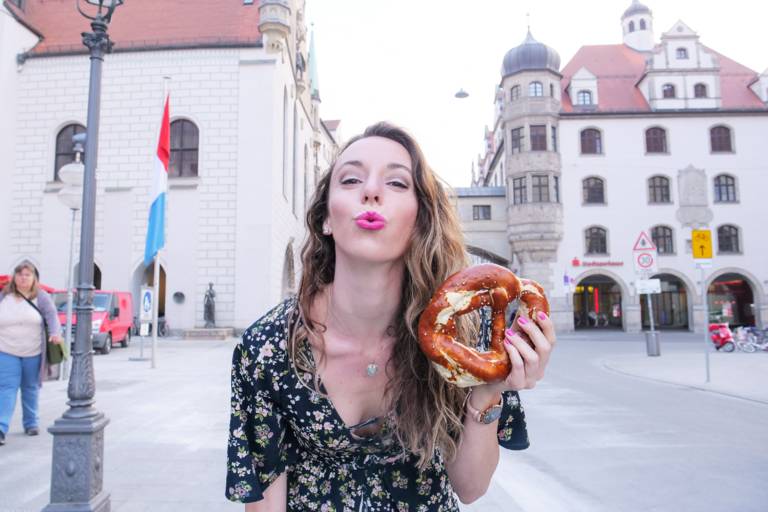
{"points": [[576, 262]]}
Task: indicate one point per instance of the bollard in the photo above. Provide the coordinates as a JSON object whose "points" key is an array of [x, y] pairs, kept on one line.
{"points": [[652, 343]]}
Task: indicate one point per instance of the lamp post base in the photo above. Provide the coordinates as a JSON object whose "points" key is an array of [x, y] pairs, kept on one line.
{"points": [[77, 469]]}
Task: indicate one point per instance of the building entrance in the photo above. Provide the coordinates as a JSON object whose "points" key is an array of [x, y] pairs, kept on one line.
{"points": [[670, 307], [731, 301], [597, 304]]}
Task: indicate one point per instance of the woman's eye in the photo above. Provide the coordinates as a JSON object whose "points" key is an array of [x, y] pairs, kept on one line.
{"points": [[398, 184], [350, 181]]}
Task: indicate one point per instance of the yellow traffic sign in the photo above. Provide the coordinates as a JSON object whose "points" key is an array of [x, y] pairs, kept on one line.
{"points": [[701, 241]]}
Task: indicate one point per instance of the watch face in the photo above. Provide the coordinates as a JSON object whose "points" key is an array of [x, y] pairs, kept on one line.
{"points": [[491, 414]]}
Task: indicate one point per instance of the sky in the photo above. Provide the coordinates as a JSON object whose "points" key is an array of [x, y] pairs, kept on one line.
{"points": [[403, 60]]}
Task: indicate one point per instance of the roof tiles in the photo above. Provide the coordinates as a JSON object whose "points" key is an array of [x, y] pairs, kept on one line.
{"points": [[143, 24]]}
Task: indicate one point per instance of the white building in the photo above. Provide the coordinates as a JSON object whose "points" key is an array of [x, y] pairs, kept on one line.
{"points": [[247, 146], [662, 137]]}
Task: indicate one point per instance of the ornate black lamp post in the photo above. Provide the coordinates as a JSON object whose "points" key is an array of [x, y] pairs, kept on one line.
{"points": [[78, 436]]}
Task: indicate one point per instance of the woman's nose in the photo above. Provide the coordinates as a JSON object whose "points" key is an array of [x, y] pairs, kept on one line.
{"points": [[372, 191]]}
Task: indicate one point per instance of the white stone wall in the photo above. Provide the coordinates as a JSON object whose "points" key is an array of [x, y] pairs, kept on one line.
{"points": [[230, 225], [14, 39], [626, 168], [489, 235]]}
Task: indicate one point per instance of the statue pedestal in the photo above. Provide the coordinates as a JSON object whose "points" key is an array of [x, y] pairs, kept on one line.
{"points": [[215, 333]]}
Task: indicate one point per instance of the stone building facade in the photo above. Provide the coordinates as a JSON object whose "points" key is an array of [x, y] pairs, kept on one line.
{"points": [[247, 147], [661, 137]]}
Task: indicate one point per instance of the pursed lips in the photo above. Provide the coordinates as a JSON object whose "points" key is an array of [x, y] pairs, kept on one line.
{"points": [[370, 220]]}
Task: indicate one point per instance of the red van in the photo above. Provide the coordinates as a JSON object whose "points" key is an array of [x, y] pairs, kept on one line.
{"points": [[112, 319]]}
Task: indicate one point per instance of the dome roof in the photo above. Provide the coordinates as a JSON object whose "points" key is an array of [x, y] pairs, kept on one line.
{"points": [[636, 8], [530, 55]]}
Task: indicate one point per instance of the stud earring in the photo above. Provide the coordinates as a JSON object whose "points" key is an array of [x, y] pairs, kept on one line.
{"points": [[326, 230]]}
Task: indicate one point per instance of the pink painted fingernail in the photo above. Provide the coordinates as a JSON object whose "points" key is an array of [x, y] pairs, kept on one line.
{"points": [[509, 332], [542, 316], [507, 342], [522, 321]]}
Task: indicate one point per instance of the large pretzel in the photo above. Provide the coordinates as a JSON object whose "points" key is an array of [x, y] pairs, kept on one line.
{"points": [[465, 291]]}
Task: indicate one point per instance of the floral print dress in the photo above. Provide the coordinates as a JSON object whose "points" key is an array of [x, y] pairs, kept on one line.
{"points": [[279, 424]]}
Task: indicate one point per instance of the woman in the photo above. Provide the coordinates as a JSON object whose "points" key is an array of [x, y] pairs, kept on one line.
{"points": [[22, 345], [334, 407]]}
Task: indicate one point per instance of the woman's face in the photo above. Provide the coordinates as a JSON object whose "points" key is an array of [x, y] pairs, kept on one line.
{"points": [[24, 279], [372, 202]]}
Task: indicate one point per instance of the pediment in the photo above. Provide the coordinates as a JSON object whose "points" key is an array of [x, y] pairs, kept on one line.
{"points": [[583, 74], [680, 30]]}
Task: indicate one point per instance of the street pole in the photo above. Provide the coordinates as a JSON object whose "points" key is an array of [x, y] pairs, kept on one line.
{"points": [[68, 332], [77, 471], [649, 303], [155, 306], [706, 320]]}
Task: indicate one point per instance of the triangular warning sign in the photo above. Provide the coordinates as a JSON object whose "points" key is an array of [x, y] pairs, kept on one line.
{"points": [[644, 243]]}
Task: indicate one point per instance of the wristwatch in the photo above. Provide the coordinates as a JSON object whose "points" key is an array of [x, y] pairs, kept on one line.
{"points": [[487, 416]]}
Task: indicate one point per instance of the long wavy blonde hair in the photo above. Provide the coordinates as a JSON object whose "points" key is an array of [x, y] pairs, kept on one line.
{"points": [[428, 410]]}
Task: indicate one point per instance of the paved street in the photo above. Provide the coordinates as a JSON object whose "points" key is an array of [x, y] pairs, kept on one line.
{"points": [[602, 440]]}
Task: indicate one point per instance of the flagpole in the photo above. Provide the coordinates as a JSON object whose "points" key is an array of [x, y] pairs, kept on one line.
{"points": [[156, 280]]}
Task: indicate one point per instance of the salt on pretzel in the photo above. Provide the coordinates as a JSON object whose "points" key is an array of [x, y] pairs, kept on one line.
{"points": [[465, 291]]}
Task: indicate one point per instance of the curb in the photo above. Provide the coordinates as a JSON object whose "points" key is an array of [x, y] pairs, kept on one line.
{"points": [[606, 365]]}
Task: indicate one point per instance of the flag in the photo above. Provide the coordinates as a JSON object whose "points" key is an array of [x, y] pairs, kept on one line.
{"points": [[156, 226]]}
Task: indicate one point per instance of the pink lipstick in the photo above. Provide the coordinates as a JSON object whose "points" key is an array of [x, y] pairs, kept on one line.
{"points": [[370, 220]]}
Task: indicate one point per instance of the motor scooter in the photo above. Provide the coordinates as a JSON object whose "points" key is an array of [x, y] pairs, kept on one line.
{"points": [[722, 337]]}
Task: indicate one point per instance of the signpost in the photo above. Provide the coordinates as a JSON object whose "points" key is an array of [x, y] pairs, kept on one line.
{"points": [[701, 247], [145, 316], [644, 255]]}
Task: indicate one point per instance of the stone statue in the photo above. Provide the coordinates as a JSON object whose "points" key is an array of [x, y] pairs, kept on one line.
{"points": [[209, 307]]}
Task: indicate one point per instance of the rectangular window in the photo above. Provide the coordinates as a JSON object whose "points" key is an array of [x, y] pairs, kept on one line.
{"points": [[540, 188], [519, 195], [516, 144], [554, 138], [481, 212], [557, 189], [538, 137]]}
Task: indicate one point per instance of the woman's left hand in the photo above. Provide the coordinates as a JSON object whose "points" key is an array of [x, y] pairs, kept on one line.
{"points": [[528, 364], [55, 338]]}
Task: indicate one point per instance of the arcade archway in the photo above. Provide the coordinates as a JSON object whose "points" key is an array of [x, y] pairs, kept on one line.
{"points": [[670, 307], [597, 303], [731, 300]]}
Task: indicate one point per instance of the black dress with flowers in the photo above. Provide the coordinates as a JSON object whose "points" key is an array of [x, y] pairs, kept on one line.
{"points": [[280, 425]]}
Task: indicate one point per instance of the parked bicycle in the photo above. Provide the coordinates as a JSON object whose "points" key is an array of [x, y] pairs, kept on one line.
{"points": [[750, 339]]}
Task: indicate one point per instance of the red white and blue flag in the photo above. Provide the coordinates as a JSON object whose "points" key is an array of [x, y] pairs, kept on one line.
{"points": [[156, 227]]}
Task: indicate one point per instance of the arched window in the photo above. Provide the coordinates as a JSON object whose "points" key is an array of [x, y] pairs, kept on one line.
{"points": [[591, 142], [64, 147], [642, 25], [514, 93], [668, 91], [728, 239], [596, 240], [682, 53], [631, 26], [725, 189], [700, 91], [655, 140], [535, 89], [664, 240], [584, 98], [658, 189], [552, 90], [594, 191], [720, 139], [184, 149]]}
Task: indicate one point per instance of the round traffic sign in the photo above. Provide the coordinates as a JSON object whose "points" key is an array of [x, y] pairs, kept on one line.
{"points": [[645, 260]]}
